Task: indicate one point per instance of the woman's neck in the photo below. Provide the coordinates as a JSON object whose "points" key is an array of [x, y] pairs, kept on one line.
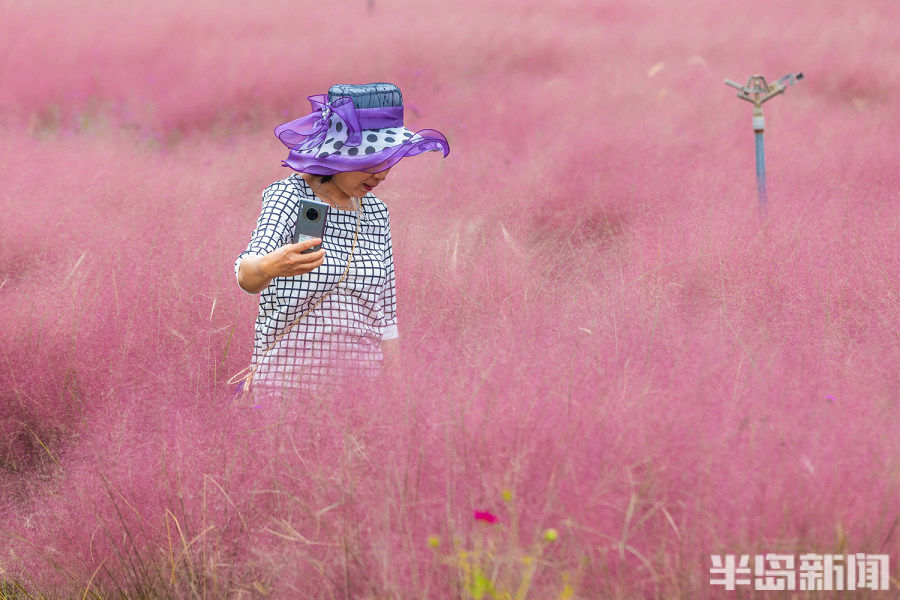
{"points": [[330, 192]]}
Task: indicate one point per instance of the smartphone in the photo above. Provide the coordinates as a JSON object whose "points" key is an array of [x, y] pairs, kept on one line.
{"points": [[311, 222]]}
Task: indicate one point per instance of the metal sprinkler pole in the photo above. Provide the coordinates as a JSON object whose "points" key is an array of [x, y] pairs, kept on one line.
{"points": [[759, 126], [758, 91]]}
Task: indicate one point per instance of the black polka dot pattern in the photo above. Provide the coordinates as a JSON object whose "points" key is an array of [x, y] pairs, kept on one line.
{"points": [[373, 140]]}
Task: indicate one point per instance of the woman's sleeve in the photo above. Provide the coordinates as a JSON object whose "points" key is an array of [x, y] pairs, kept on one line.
{"points": [[389, 295], [273, 228]]}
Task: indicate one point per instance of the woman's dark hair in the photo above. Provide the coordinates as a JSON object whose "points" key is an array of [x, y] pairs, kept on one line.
{"points": [[324, 178]]}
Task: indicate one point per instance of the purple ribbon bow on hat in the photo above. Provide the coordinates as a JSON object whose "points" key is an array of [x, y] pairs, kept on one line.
{"points": [[311, 130]]}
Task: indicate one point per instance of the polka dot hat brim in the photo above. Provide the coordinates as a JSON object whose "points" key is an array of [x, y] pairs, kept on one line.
{"points": [[337, 137]]}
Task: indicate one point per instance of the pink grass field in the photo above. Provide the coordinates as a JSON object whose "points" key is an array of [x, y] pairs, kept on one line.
{"points": [[600, 335]]}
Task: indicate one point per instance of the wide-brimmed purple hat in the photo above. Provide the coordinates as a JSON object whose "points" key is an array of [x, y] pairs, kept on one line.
{"points": [[354, 128]]}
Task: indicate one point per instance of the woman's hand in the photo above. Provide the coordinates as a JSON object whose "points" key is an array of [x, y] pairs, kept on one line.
{"points": [[255, 272], [290, 260]]}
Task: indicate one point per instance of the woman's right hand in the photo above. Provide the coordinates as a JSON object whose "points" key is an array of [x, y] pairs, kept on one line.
{"points": [[290, 260], [256, 272]]}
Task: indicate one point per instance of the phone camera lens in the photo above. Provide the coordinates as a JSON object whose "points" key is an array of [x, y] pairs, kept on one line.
{"points": [[312, 214]]}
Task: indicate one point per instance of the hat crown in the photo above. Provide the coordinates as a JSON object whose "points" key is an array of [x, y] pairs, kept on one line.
{"points": [[368, 95]]}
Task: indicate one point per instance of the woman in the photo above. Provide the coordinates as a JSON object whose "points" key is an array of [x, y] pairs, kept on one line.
{"points": [[330, 314]]}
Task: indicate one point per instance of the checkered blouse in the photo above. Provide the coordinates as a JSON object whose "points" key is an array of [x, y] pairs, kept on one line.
{"points": [[343, 334]]}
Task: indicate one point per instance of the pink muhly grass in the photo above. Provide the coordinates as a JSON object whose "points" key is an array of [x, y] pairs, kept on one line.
{"points": [[592, 315]]}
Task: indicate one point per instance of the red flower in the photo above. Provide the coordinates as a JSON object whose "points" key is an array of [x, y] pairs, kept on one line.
{"points": [[487, 517]]}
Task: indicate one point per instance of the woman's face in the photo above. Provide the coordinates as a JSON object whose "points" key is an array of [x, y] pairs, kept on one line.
{"points": [[358, 183]]}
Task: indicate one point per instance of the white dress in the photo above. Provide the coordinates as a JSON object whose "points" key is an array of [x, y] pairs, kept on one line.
{"points": [[342, 336]]}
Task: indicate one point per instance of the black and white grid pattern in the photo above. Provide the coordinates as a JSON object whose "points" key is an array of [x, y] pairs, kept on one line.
{"points": [[342, 335]]}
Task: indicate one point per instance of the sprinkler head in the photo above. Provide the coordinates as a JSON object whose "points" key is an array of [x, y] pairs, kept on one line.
{"points": [[758, 90]]}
